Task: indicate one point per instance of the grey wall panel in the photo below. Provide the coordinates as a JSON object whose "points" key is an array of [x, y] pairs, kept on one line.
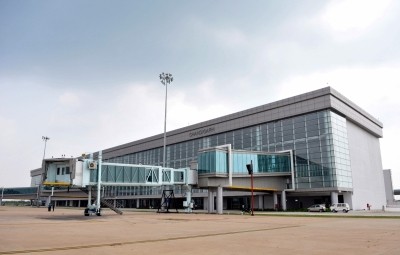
{"points": [[387, 175], [366, 166]]}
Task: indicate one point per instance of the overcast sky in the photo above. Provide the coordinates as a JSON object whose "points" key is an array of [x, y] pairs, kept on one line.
{"points": [[85, 73]]}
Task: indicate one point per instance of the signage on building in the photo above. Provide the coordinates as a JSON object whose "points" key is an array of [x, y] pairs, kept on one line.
{"points": [[203, 131]]}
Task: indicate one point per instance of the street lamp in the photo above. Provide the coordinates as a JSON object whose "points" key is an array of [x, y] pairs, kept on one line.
{"points": [[250, 170], [165, 78], [45, 138]]}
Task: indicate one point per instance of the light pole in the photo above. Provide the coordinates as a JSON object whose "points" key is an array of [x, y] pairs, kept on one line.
{"points": [[45, 139], [165, 78]]}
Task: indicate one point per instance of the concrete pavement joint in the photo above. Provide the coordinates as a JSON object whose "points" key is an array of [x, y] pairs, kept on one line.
{"points": [[141, 241]]}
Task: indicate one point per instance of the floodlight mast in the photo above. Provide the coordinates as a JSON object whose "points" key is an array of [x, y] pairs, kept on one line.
{"points": [[45, 139], [165, 78]]}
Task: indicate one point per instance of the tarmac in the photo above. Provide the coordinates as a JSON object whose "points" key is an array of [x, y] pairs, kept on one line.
{"points": [[29, 230]]}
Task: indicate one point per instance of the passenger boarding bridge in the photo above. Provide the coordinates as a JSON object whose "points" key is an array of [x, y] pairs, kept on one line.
{"points": [[218, 168], [88, 173]]}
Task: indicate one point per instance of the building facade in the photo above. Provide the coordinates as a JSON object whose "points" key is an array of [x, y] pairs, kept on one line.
{"points": [[334, 144]]}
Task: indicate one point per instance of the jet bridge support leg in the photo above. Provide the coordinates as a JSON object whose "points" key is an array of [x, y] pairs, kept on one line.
{"points": [[89, 202], [188, 205]]}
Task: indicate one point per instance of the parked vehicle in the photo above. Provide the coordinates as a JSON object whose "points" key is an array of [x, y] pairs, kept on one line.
{"points": [[340, 207], [317, 208]]}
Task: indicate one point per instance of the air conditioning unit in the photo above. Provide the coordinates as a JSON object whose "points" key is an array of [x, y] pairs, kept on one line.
{"points": [[92, 165]]}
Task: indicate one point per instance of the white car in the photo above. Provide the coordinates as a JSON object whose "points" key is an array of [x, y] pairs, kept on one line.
{"points": [[340, 207], [317, 208]]}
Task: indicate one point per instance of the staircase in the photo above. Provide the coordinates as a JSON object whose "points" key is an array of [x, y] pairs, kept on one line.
{"points": [[109, 203]]}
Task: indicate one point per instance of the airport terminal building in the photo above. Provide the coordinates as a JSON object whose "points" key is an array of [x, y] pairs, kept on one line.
{"points": [[317, 147]]}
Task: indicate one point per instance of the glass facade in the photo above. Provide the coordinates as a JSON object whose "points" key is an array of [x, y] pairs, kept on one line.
{"points": [[318, 139], [216, 162]]}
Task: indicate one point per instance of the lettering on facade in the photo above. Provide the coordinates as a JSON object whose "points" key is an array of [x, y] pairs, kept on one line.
{"points": [[202, 132]]}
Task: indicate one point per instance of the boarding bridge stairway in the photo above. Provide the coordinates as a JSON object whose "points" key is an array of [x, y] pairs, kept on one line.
{"points": [[109, 203]]}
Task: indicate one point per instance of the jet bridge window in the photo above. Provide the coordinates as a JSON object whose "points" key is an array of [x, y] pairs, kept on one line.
{"points": [[63, 170]]}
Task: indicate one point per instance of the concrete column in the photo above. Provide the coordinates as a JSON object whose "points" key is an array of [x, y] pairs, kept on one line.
{"points": [[210, 200], [348, 198], [219, 200], [283, 200], [334, 197], [260, 202], [275, 199], [71, 203], [137, 203], [79, 203], [115, 202]]}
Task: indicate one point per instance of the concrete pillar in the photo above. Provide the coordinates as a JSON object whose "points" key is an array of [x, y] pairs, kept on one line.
{"points": [[137, 203], [71, 203], [219, 200], [283, 200], [210, 200], [348, 198], [334, 197], [260, 202], [79, 203], [275, 200], [115, 202]]}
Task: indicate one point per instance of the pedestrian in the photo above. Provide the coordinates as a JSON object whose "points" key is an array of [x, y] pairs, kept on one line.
{"points": [[53, 205], [49, 207]]}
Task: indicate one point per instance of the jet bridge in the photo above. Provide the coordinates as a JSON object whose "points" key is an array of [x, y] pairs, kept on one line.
{"points": [[82, 173]]}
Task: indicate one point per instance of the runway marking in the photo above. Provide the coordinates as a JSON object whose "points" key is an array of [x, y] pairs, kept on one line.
{"points": [[142, 241]]}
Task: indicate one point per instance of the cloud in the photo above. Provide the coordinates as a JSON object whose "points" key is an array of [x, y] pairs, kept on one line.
{"points": [[349, 19], [230, 37], [8, 129], [367, 86], [69, 99], [94, 90]]}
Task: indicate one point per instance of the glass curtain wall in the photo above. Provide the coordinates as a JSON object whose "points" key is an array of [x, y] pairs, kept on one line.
{"points": [[319, 141], [216, 162]]}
